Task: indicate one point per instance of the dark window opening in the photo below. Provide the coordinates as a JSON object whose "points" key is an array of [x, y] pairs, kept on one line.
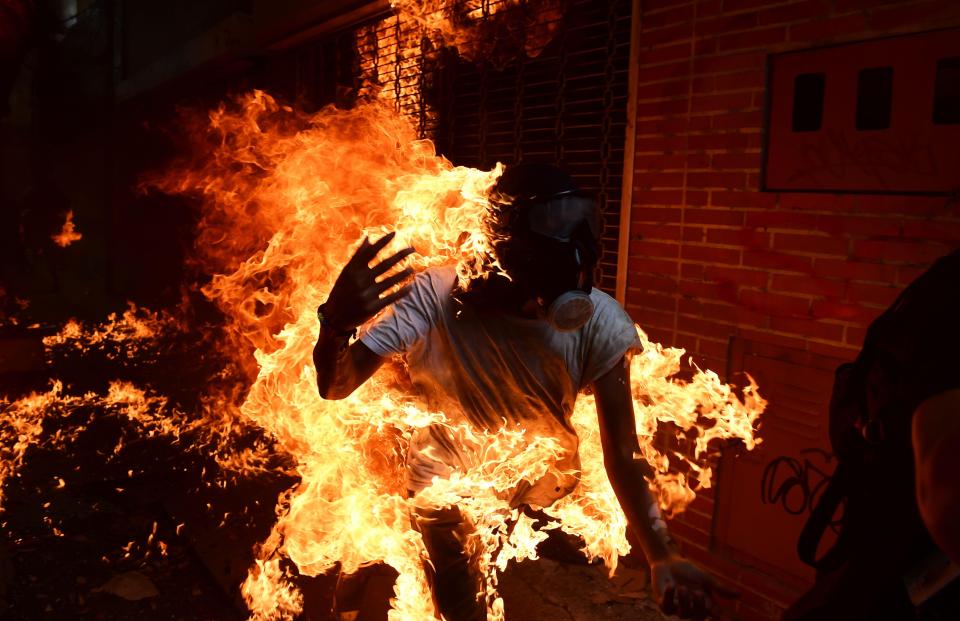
{"points": [[874, 98], [808, 89], [946, 97]]}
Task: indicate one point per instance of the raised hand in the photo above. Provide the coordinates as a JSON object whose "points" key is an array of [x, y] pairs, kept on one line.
{"points": [[356, 295]]}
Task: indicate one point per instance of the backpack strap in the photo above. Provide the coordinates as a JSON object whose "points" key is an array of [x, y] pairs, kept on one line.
{"points": [[821, 516]]}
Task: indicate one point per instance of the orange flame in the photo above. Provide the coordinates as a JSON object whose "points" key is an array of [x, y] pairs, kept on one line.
{"points": [[495, 31], [68, 234], [287, 197]]}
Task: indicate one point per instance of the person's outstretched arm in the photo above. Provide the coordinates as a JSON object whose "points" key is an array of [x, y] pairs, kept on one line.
{"points": [[679, 586], [356, 296]]}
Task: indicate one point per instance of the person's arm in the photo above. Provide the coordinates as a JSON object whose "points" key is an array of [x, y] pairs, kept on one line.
{"points": [[936, 454], [679, 586], [355, 298]]}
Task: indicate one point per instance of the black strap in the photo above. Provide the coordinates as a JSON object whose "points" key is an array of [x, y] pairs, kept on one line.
{"points": [[820, 519]]}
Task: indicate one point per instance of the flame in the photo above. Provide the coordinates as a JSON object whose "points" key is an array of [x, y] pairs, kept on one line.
{"points": [[286, 198], [68, 234], [494, 31]]}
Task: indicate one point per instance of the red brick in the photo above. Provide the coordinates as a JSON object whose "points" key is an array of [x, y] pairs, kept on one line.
{"points": [[692, 270], [734, 311], [808, 328], [721, 103], [799, 11], [710, 254], [729, 62], [940, 230], [655, 6], [668, 17], [651, 266], [660, 90], [810, 286], [906, 275], [819, 202], [843, 352], [650, 319], [777, 261], [739, 276], [650, 55], [853, 270], [658, 73], [693, 234], [713, 216], [877, 295], [658, 180], [750, 119], [646, 231], [654, 249], [899, 251], [706, 8], [697, 289], [699, 123], [775, 305], [715, 349], [726, 23], [660, 215], [660, 144], [737, 161], [652, 282], [658, 127], [674, 161], [739, 237], [651, 301], [666, 107], [670, 34], [760, 338], [718, 141], [934, 12], [658, 197], [920, 206], [717, 180], [842, 6], [843, 27], [751, 79], [703, 84], [753, 39], [827, 309], [743, 199], [707, 328], [698, 160], [853, 225], [696, 198], [780, 219], [702, 46], [814, 244], [855, 336]]}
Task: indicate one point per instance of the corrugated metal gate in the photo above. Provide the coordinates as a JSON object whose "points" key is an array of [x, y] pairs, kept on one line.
{"points": [[566, 105]]}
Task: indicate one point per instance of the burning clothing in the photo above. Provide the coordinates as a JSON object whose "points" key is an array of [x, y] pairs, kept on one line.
{"points": [[492, 368]]}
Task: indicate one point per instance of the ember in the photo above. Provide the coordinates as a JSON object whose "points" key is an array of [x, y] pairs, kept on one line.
{"points": [[68, 234]]}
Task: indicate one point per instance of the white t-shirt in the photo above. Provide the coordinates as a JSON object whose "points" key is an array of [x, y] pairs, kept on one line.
{"points": [[493, 369]]}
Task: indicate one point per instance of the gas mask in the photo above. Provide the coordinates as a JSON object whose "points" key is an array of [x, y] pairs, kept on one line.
{"points": [[551, 253]]}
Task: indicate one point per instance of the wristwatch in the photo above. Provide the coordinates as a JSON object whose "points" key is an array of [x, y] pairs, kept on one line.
{"points": [[325, 323]]}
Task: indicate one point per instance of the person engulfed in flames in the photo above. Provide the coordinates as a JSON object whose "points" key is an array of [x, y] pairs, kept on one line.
{"points": [[512, 348]]}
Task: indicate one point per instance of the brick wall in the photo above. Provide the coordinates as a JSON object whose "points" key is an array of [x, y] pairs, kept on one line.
{"points": [[796, 276]]}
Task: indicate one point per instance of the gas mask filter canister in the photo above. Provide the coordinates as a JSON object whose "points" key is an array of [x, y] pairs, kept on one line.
{"points": [[570, 311]]}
